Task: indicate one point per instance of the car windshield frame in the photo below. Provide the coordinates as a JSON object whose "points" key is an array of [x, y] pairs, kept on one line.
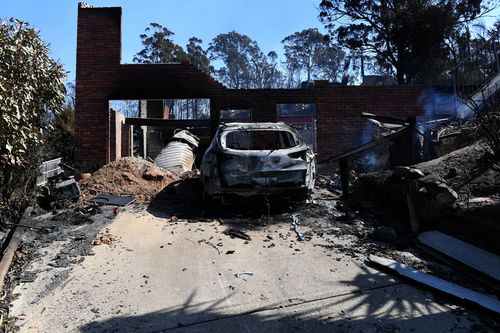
{"points": [[292, 136]]}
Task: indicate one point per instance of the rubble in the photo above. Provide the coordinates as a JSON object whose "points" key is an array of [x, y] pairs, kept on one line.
{"points": [[407, 172], [434, 282], [385, 234], [234, 233], [442, 197], [128, 176], [295, 227], [106, 239]]}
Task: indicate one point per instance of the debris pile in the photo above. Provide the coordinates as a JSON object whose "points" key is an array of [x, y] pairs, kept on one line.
{"points": [[104, 239], [128, 176], [457, 193]]}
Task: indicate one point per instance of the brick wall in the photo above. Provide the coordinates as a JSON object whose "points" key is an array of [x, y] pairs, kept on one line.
{"points": [[100, 77], [97, 62]]}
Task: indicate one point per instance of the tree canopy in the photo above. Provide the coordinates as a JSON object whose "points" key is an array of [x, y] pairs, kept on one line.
{"points": [[159, 46], [409, 36], [309, 55], [31, 91], [244, 65]]}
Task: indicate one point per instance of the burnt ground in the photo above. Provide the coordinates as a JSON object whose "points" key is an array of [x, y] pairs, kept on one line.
{"points": [[326, 216], [67, 235]]}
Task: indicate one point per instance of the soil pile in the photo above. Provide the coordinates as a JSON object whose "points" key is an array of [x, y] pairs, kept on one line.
{"points": [[128, 176]]}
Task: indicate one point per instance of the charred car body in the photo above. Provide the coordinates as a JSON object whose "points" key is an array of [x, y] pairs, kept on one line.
{"points": [[251, 159]]}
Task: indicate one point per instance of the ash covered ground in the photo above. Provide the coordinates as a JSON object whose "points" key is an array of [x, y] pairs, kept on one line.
{"points": [[341, 228]]}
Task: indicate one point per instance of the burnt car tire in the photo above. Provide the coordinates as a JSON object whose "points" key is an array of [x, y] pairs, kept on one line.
{"points": [[206, 199]]}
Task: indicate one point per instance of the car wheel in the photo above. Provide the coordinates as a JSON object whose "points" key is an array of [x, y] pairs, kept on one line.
{"points": [[206, 199]]}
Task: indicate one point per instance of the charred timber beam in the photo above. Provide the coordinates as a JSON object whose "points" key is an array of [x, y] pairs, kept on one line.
{"points": [[366, 146], [167, 122], [344, 176]]}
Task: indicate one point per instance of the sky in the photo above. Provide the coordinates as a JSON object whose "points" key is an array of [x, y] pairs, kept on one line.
{"points": [[266, 21]]}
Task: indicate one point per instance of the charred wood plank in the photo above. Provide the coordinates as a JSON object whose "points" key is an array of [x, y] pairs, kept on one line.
{"points": [[167, 122]]}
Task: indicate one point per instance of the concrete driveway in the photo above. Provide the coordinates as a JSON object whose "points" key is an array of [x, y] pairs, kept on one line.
{"points": [[161, 275]]}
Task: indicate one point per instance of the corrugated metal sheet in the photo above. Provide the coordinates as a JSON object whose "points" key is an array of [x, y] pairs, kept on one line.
{"points": [[187, 136], [176, 156]]}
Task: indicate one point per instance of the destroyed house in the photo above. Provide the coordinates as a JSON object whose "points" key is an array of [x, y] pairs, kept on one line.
{"points": [[332, 125]]}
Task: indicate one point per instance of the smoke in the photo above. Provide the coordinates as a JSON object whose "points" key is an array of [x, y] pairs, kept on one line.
{"points": [[369, 133], [437, 104]]}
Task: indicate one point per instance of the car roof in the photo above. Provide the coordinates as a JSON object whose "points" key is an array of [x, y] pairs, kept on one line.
{"points": [[250, 126]]}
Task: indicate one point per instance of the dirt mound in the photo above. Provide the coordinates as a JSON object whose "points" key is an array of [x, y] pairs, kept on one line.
{"points": [[128, 176]]}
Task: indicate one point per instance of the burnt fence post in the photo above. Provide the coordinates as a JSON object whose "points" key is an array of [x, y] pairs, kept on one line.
{"points": [[344, 176]]}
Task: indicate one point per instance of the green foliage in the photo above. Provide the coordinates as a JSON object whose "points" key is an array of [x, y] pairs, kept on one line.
{"points": [[31, 93], [310, 53], [407, 35], [159, 47], [60, 141], [31, 90], [197, 55], [245, 65]]}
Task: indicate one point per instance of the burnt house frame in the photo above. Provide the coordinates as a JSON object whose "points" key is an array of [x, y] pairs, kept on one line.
{"points": [[101, 77]]}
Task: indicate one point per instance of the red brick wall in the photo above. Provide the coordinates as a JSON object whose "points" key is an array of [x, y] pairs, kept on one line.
{"points": [[338, 112], [100, 77], [97, 63]]}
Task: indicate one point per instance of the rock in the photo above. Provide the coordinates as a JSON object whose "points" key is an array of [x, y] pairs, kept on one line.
{"points": [[407, 172], [447, 195], [437, 189], [452, 172], [346, 217], [129, 177], [152, 174], [385, 234]]}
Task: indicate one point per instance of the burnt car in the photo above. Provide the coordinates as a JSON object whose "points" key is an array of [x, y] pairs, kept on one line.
{"points": [[257, 159]]}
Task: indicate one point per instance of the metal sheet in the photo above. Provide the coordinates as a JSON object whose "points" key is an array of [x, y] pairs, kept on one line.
{"points": [[187, 137], [47, 170], [474, 257], [176, 156], [438, 284], [113, 200]]}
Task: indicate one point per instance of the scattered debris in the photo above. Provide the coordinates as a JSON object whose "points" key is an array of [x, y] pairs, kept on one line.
{"points": [[243, 273], [104, 239], [295, 227], [437, 283], [210, 244], [385, 234], [48, 170], [407, 172], [54, 186], [69, 189], [235, 233], [113, 200]]}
